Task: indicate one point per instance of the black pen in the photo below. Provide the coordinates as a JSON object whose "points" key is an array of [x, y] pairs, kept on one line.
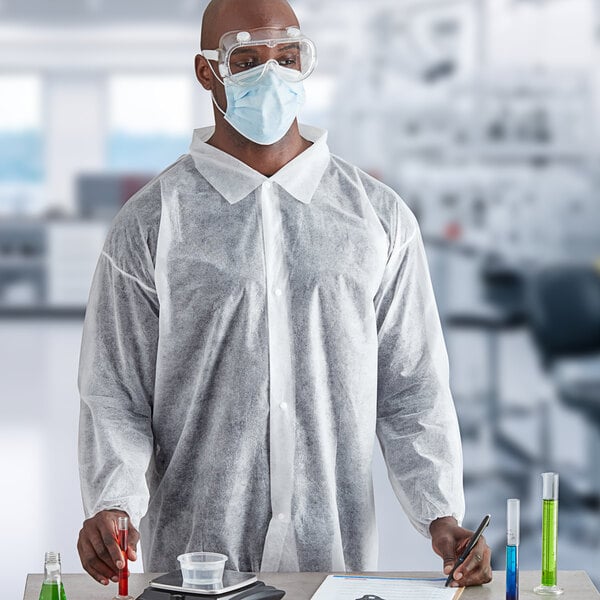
{"points": [[472, 543]]}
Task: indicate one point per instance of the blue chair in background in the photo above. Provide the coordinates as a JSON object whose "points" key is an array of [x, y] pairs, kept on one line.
{"points": [[564, 317]]}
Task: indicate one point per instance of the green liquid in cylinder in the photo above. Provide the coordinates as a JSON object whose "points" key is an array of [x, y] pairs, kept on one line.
{"points": [[52, 591], [549, 533]]}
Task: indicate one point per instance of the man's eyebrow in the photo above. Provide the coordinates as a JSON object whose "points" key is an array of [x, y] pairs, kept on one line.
{"points": [[244, 51], [253, 50], [293, 46]]}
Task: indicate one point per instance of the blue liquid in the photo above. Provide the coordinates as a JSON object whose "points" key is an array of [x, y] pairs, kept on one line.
{"points": [[512, 572]]}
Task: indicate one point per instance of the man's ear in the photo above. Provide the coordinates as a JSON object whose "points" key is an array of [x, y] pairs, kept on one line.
{"points": [[203, 72]]}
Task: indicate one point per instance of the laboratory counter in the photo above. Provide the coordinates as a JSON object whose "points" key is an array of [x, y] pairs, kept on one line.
{"points": [[301, 586]]}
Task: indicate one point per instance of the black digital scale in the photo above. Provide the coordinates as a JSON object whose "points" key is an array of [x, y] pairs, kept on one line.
{"points": [[233, 586]]}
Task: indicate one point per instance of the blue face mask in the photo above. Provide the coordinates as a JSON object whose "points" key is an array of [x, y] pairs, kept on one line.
{"points": [[264, 111]]}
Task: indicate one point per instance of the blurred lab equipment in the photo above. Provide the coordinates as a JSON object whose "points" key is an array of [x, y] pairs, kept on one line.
{"points": [[564, 305], [101, 195], [47, 265], [47, 262], [423, 37], [23, 248], [565, 312], [501, 311], [498, 312]]}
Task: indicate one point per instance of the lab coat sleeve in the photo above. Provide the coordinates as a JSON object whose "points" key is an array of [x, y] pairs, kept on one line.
{"points": [[417, 426], [116, 377]]}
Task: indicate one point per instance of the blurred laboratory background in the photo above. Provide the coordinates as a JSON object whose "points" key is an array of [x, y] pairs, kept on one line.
{"points": [[482, 114]]}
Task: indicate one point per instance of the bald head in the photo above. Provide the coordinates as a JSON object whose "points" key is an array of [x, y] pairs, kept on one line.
{"points": [[222, 16]]}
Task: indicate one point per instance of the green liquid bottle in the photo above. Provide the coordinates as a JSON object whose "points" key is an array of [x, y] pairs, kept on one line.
{"points": [[52, 588]]}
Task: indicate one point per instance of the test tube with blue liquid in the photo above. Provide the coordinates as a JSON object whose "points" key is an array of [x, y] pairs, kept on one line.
{"points": [[512, 548], [549, 585]]}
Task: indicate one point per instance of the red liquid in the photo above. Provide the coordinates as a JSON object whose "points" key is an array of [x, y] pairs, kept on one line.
{"points": [[123, 573]]}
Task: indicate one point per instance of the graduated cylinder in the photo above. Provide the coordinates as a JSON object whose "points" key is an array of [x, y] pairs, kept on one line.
{"points": [[549, 586]]}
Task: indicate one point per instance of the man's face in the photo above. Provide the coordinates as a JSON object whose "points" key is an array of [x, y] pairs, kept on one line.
{"points": [[255, 45]]}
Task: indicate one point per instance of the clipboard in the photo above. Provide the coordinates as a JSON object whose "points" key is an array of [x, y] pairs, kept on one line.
{"points": [[364, 587]]}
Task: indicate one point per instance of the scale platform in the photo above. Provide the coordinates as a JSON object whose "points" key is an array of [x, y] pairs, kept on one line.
{"points": [[233, 586]]}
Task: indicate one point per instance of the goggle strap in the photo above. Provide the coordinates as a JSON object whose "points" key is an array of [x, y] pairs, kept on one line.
{"points": [[210, 54]]}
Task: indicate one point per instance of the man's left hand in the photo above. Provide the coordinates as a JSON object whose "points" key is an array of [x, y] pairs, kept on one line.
{"points": [[449, 540]]}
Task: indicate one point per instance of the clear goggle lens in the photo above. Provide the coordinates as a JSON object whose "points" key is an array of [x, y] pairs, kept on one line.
{"points": [[255, 74], [241, 53]]}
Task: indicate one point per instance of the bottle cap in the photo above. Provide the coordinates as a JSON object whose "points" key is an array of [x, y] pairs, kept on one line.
{"points": [[52, 557]]}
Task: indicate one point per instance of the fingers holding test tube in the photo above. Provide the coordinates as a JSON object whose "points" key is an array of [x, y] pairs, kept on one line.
{"points": [[122, 535], [99, 549]]}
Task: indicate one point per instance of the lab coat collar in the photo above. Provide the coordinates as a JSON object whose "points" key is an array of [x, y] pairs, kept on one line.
{"points": [[235, 180]]}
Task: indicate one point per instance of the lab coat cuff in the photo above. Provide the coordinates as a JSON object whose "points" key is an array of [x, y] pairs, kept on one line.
{"points": [[127, 506], [425, 530]]}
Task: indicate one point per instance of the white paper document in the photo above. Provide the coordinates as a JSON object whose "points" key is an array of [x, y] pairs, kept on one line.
{"points": [[354, 587]]}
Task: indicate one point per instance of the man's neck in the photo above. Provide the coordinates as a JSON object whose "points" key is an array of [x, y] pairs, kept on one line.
{"points": [[264, 159]]}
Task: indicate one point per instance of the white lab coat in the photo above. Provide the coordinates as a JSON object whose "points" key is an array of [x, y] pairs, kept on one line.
{"points": [[245, 339]]}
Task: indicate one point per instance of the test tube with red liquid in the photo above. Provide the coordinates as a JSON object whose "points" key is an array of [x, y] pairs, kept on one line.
{"points": [[122, 535]]}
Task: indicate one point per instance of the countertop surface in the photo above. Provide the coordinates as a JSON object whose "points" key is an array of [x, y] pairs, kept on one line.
{"points": [[301, 586]]}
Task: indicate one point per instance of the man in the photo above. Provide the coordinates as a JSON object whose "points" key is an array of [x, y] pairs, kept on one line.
{"points": [[260, 310]]}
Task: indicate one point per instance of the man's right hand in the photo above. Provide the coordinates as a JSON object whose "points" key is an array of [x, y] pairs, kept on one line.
{"points": [[98, 547]]}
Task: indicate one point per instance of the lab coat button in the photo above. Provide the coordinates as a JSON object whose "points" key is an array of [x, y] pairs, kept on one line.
{"points": [[268, 185], [283, 406], [278, 292], [281, 517]]}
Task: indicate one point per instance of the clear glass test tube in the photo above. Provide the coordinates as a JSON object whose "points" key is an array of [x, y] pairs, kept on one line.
{"points": [[122, 538], [512, 548], [549, 585]]}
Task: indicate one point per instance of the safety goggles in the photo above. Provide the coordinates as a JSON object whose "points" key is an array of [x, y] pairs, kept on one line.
{"points": [[241, 52]]}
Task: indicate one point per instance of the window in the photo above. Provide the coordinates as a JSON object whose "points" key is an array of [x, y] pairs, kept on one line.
{"points": [[21, 145], [150, 121]]}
